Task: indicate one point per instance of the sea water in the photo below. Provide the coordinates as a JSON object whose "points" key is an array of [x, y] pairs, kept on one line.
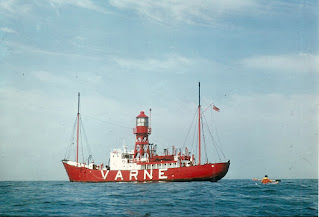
{"points": [[223, 198]]}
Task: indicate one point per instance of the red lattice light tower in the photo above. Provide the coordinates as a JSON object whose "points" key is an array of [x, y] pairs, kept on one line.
{"points": [[142, 131]]}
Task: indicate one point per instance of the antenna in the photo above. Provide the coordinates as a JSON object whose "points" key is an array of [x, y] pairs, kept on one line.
{"points": [[198, 94], [77, 132], [79, 103], [150, 117]]}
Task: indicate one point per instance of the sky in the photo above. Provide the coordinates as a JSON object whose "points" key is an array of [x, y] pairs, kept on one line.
{"points": [[258, 61]]}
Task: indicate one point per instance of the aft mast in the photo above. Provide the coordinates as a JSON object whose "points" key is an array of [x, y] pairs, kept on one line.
{"points": [[199, 116], [77, 132]]}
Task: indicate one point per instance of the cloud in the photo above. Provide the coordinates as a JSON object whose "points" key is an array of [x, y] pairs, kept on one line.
{"points": [[87, 4], [210, 13], [45, 76], [14, 6], [190, 12], [283, 63], [7, 30], [24, 48], [169, 63], [67, 79]]}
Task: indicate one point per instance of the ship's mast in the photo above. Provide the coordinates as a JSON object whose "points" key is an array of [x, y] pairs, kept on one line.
{"points": [[77, 132], [199, 116]]}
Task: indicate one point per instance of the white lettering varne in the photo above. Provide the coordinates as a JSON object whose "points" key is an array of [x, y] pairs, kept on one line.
{"points": [[161, 174], [150, 175], [133, 173], [104, 175], [119, 175]]}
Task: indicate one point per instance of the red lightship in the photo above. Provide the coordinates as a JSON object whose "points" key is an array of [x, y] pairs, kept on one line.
{"points": [[143, 164]]}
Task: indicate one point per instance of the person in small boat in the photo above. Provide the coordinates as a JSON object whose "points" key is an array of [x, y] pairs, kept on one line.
{"points": [[266, 180]]}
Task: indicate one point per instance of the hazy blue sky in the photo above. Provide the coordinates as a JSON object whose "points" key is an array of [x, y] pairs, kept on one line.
{"points": [[258, 61]]}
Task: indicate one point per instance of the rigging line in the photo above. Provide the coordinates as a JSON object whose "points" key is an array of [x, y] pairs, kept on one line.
{"points": [[204, 141], [189, 129], [81, 144], [217, 145], [73, 134], [214, 125], [207, 108], [106, 122], [214, 145], [194, 133], [82, 130], [214, 141], [86, 139], [67, 153]]}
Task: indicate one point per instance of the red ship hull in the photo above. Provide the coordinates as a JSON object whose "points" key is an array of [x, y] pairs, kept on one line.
{"points": [[206, 172]]}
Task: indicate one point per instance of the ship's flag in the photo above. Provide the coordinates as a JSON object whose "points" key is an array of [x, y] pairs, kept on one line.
{"points": [[215, 108]]}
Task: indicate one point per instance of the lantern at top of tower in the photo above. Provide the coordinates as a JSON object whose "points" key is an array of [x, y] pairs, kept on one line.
{"points": [[142, 124], [142, 120]]}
